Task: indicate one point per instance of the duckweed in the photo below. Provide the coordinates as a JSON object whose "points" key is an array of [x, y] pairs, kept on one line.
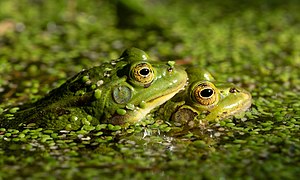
{"points": [[113, 127], [121, 111], [13, 110], [97, 94]]}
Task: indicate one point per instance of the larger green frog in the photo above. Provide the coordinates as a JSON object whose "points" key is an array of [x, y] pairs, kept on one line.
{"points": [[205, 99], [117, 92]]}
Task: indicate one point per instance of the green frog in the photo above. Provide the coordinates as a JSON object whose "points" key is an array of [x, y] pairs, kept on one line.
{"points": [[205, 99], [118, 92]]}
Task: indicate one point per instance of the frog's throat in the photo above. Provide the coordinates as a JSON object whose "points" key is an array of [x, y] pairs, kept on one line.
{"points": [[140, 113], [246, 105]]}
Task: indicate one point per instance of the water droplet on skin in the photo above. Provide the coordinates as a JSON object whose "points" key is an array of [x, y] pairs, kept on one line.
{"points": [[106, 74], [99, 83], [89, 82], [113, 63], [142, 104], [144, 57]]}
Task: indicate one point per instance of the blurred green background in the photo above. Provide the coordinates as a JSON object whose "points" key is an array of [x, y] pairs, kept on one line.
{"points": [[255, 44]]}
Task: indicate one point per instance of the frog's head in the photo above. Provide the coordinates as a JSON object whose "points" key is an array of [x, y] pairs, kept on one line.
{"points": [[148, 84], [220, 99], [233, 100], [204, 93]]}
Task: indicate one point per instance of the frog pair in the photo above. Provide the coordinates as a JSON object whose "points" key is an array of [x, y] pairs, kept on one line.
{"points": [[125, 90]]}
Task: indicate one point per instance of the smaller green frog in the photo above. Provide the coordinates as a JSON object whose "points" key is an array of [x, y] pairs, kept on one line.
{"points": [[118, 92], [205, 99]]}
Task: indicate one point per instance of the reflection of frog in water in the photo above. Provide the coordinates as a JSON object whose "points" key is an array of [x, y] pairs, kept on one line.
{"points": [[204, 94], [121, 91]]}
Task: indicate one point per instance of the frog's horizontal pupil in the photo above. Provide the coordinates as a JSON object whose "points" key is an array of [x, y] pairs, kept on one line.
{"points": [[144, 71], [206, 92]]}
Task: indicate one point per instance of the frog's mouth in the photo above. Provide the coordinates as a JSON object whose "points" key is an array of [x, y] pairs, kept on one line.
{"points": [[140, 113], [242, 107], [220, 112]]}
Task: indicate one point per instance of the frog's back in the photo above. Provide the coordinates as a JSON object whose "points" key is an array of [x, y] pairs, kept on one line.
{"points": [[75, 93], [83, 82]]}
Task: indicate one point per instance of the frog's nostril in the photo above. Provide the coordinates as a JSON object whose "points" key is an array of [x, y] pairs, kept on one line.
{"points": [[170, 69], [233, 90]]}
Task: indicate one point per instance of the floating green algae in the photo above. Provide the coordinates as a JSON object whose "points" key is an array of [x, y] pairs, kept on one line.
{"points": [[253, 44]]}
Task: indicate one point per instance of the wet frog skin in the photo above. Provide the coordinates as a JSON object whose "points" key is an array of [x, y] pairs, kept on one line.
{"points": [[205, 96], [118, 92]]}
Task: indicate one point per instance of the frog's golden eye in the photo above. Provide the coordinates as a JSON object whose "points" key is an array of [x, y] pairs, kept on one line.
{"points": [[205, 94], [143, 73]]}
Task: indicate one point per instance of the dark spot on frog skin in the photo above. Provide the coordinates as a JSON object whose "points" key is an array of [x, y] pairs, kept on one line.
{"points": [[61, 111], [76, 86], [124, 71], [147, 85], [117, 119]]}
